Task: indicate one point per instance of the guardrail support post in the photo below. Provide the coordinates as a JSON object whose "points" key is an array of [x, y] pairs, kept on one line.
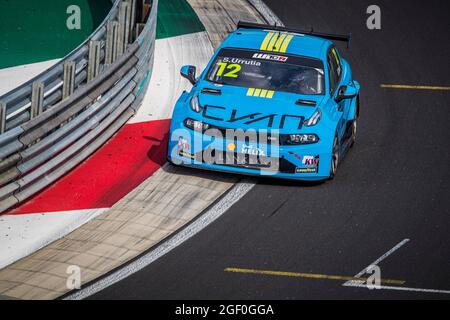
{"points": [[37, 99], [112, 34], [124, 27], [139, 28], [68, 78], [94, 60], [2, 117], [146, 8]]}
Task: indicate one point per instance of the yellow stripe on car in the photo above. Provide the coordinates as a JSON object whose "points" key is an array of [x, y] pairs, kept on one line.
{"points": [[279, 42], [261, 93], [276, 42], [266, 41], [286, 43], [272, 42]]}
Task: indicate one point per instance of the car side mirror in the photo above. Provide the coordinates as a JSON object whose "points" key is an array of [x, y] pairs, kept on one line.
{"points": [[190, 73], [346, 92]]}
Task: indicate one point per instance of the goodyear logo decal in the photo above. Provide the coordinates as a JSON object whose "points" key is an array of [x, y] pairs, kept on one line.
{"points": [[276, 42], [261, 93]]}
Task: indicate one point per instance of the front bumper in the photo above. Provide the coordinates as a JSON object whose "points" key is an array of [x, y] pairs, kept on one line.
{"points": [[301, 162]]}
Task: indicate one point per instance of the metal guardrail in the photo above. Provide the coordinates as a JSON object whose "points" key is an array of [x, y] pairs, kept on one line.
{"points": [[55, 121]]}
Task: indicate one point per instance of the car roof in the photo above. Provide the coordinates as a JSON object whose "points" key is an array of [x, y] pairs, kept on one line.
{"points": [[299, 44]]}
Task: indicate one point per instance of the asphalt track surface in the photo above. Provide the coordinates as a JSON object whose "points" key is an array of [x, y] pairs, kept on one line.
{"points": [[393, 185]]}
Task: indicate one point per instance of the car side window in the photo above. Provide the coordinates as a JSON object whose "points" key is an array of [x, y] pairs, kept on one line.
{"points": [[336, 61], [332, 75], [335, 69]]}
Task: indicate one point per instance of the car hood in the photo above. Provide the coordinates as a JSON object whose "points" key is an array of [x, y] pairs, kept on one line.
{"points": [[232, 107]]}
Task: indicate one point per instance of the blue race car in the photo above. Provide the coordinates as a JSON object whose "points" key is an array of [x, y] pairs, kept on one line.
{"points": [[272, 101]]}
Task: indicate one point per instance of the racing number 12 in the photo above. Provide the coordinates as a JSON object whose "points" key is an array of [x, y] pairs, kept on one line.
{"points": [[234, 70]]}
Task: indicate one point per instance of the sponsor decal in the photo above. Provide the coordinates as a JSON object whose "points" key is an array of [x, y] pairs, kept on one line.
{"points": [[231, 147], [269, 120], [242, 61], [252, 150], [184, 148], [204, 149], [310, 161], [272, 57], [183, 144], [306, 170], [187, 155]]}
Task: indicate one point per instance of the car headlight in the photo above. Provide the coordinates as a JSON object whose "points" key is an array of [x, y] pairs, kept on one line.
{"points": [[302, 138], [196, 125], [195, 104], [314, 119]]}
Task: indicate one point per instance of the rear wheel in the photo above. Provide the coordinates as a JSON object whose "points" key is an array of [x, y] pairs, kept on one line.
{"points": [[334, 158]]}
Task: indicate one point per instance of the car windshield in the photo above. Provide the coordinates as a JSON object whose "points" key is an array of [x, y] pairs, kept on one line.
{"points": [[277, 72]]}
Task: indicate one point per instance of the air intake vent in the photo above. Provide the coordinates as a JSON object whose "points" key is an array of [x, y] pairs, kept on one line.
{"points": [[308, 103], [215, 92]]}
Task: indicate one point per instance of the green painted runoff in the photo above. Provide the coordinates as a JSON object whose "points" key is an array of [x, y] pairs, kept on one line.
{"points": [[33, 31], [175, 18]]}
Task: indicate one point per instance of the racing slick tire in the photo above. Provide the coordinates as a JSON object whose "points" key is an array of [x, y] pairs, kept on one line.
{"points": [[355, 125]]}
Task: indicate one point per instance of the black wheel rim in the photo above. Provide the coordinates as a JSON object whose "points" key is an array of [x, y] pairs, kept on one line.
{"points": [[354, 130]]}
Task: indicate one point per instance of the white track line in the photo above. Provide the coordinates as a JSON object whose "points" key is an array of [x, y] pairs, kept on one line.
{"points": [[384, 256], [375, 263], [360, 285], [233, 196]]}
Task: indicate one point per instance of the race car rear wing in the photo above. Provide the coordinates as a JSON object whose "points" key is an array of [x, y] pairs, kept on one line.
{"points": [[335, 37]]}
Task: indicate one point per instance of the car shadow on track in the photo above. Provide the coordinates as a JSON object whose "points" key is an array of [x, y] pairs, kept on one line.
{"points": [[200, 173], [269, 181], [232, 177]]}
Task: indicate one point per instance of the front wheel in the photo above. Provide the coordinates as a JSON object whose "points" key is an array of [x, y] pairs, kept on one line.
{"points": [[354, 132], [334, 158], [355, 125]]}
